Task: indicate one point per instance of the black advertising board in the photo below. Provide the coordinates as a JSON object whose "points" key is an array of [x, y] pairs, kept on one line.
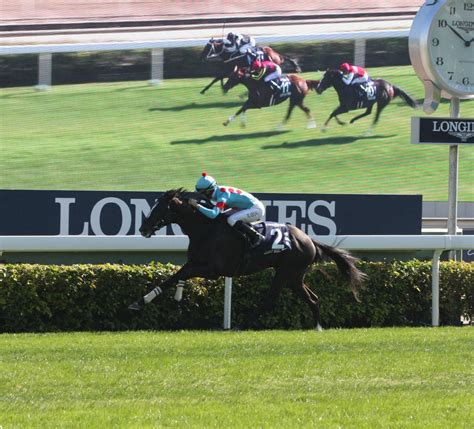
{"points": [[120, 213], [442, 130]]}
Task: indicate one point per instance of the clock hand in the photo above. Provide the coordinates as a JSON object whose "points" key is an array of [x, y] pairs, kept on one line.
{"points": [[457, 34]]}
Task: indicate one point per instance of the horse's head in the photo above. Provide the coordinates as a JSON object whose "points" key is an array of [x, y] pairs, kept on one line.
{"points": [[328, 80], [213, 50], [237, 76], [163, 213], [171, 207]]}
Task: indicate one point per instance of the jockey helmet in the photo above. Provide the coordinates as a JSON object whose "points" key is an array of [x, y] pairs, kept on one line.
{"points": [[257, 69], [345, 67], [206, 183]]}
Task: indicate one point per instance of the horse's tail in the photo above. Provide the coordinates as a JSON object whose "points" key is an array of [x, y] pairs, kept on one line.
{"points": [[312, 84], [293, 62], [402, 94], [345, 262]]}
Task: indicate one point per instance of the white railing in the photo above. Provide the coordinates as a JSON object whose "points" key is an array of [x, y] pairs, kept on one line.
{"points": [[435, 243], [183, 43]]}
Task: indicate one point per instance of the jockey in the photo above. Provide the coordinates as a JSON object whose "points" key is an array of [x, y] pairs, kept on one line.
{"points": [[353, 74], [268, 70], [245, 207], [239, 42]]}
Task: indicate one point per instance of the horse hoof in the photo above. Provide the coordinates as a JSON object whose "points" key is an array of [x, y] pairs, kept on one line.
{"points": [[225, 123], [136, 306], [311, 125], [319, 328]]}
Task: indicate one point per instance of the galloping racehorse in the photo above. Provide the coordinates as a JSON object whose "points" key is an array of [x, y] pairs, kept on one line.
{"points": [[216, 250], [352, 97], [214, 51], [292, 87]]}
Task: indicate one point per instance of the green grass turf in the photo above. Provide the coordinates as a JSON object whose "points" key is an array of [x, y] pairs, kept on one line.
{"points": [[372, 378], [130, 136]]}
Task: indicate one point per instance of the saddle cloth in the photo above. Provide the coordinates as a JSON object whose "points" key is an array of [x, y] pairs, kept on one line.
{"points": [[366, 93], [277, 237], [281, 90]]}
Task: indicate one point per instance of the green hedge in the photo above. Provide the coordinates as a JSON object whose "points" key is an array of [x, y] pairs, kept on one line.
{"points": [[40, 298]]}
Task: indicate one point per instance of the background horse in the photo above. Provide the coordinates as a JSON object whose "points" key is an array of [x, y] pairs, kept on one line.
{"points": [[350, 98], [216, 250], [214, 51], [262, 95]]}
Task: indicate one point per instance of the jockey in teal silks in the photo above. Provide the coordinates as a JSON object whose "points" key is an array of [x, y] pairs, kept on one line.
{"points": [[245, 207]]}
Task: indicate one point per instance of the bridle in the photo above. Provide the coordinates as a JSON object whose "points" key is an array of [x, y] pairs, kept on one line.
{"points": [[213, 53]]}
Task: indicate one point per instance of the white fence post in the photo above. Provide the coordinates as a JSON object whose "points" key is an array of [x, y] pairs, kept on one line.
{"points": [[44, 71], [435, 288], [359, 52], [227, 302], [156, 66]]}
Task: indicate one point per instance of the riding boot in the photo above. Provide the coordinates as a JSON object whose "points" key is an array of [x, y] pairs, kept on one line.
{"points": [[249, 233]]}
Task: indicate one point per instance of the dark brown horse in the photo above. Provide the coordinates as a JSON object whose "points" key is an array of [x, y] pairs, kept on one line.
{"points": [[261, 94], [352, 97], [216, 250], [214, 52]]}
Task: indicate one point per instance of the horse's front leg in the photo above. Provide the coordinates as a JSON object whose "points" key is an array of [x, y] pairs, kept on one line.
{"points": [[367, 112], [339, 110], [212, 83], [186, 272], [242, 109]]}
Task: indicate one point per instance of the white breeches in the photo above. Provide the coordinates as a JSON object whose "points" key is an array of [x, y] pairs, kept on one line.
{"points": [[361, 79], [276, 74], [248, 46], [253, 214]]}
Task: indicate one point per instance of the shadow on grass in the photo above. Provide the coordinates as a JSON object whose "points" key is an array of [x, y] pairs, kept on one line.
{"points": [[230, 137], [20, 94], [196, 106], [134, 88], [324, 141]]}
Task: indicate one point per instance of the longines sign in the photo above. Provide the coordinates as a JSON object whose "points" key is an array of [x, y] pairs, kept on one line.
{"points": [[442, 130], [121, 213]]}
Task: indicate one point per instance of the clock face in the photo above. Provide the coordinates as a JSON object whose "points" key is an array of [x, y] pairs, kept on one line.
{"points": [[451, 46]]}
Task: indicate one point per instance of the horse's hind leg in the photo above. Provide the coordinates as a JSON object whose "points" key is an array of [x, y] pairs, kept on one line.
{"points": [[279, 280], [296, 283], [291, 106], [311, 121], [380, 106]]}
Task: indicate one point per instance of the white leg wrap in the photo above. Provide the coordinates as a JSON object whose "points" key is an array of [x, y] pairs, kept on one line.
{"points": [[178, 296], [152, 295]]}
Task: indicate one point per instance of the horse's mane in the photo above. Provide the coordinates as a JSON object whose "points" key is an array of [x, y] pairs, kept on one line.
{"points": [[184, 194], [175, 193]]}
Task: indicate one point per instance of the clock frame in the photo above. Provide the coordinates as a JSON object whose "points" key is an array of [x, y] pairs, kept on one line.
{"points": [[430, 34]]}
